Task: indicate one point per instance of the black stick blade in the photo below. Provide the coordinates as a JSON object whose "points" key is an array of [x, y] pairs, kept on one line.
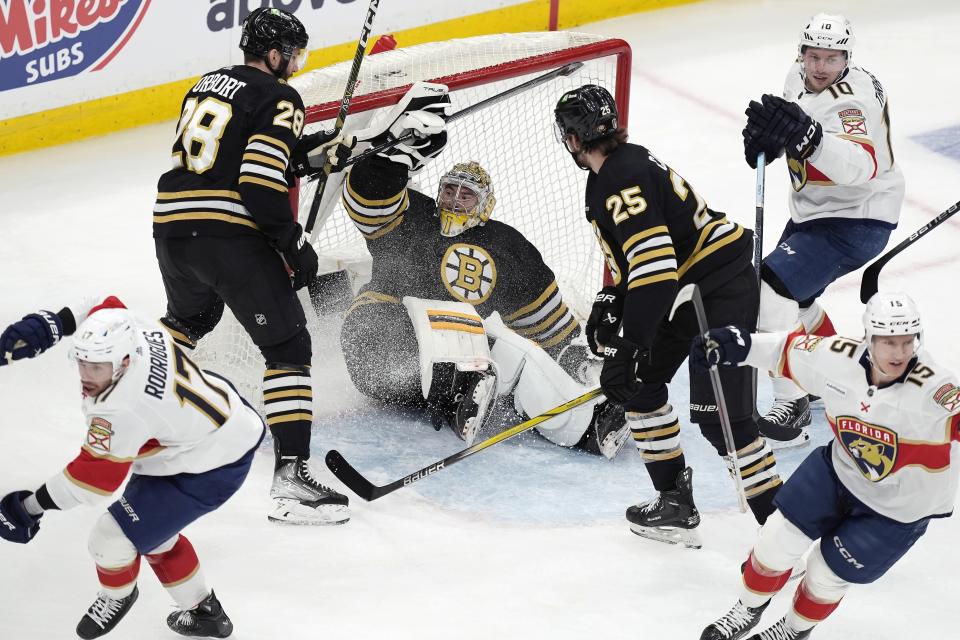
{"points": [[349, 476]]}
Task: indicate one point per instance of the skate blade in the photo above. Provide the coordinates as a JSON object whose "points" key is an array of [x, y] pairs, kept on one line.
{"points": [[689, 538], [799, 441], [288, 511]]}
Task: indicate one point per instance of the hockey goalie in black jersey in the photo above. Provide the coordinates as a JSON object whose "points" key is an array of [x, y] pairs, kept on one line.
{"points": [[445, 277], [225, 233], [657, 235]]}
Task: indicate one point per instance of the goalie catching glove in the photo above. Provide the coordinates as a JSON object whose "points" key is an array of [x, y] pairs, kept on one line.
{"points": [[423, 112], [316, 149]]}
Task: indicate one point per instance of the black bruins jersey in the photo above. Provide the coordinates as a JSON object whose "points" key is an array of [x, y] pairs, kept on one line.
{"points": [[493, 267], [658, 235], [231, 175]]}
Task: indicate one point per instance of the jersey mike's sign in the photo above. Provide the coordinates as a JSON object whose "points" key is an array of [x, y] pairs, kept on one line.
{"points": [[43, 40]]}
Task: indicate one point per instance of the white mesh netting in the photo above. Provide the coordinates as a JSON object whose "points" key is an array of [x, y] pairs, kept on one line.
{"points": [[539, 189]]}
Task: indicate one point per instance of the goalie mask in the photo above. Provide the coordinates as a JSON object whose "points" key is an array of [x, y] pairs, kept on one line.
{"points": [[267, 29], [465, 198]]}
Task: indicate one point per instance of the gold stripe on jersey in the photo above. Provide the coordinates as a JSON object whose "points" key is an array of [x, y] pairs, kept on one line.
{"points": [[271, 141], [259, 157], [85, 486], [205, 215], [374, 218], [264, 182], [371, 297], [179, 337], [650, 256], [536, 304], [105, 456], [200, 193], [561, 335], [713, 237]]}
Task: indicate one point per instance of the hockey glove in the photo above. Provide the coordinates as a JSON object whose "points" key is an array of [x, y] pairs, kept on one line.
{"points": [[302, 260], [422, 112], [618, 378], [784, 124], [30, 336], [314, 150], [16, 525], [605, 317], [727, 346], [752, 146]]}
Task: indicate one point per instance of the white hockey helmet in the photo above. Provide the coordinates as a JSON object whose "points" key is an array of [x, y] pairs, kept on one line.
{"points": [[471, 176], [892, 314], [828, 31], [107, 335]]}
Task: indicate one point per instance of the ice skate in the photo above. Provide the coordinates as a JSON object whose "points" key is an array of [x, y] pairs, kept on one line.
{"points": [[104, 614], [671, 517], [207, 619], [298, 498], [781, 631], [608, 430], [785, 424], [473, 406], [735, 623]]}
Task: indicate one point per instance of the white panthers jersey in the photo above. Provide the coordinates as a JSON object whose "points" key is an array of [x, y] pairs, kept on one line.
{"points": [[162, 417], [893, 445], [852, 173]]}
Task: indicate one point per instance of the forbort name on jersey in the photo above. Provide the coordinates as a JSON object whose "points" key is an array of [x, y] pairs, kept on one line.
{"points": [[220, 84], [159, 364]]}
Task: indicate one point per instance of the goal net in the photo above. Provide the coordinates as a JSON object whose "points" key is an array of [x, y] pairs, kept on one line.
{"points": [[539, 189]]}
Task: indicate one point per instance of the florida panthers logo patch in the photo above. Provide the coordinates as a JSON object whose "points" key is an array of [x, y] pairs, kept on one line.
{"points": [[469, 273], [807, 343], [872, 448], [99, 434]]}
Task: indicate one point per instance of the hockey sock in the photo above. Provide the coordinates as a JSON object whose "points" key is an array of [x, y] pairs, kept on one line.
{"points": [[808, 610], [760, 583], [657, 436], [118, 582], [758, 469], [288, 403], [178, 570], [816, 321]]}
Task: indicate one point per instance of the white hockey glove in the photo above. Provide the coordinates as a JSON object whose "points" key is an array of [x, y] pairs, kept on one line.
{"points": [[422, 111], [315, 149]]}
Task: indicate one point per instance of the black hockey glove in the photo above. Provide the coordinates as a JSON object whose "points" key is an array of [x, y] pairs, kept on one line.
{"points": [[782, 124], [605, 317], [16, 525], [727, 346], [302, 260], [618, 378], [30, 336], [313, 150], [752, 146]]}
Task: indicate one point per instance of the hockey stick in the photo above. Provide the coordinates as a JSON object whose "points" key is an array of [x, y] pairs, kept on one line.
{"points": [[871, 276], [758, 254], [369, 491], [691, 292], [344, 107], [487, 102]]}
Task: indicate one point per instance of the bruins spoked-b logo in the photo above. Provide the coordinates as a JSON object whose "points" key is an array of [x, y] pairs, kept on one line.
{"points": [[468, 272], [873, 448]]}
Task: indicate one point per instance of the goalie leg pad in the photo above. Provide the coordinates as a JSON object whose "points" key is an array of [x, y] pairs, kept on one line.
{"points": [[538, 384], [117, 560]]}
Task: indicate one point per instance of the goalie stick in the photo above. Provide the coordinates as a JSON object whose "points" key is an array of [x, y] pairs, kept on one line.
{"points": [[344, 107], [871, 276], [369, 491], [689, 293], [565, 70]]}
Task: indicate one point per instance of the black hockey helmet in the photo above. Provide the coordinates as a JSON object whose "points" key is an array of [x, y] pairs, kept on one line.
{"points": [[590, 112], [265, 29]]}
